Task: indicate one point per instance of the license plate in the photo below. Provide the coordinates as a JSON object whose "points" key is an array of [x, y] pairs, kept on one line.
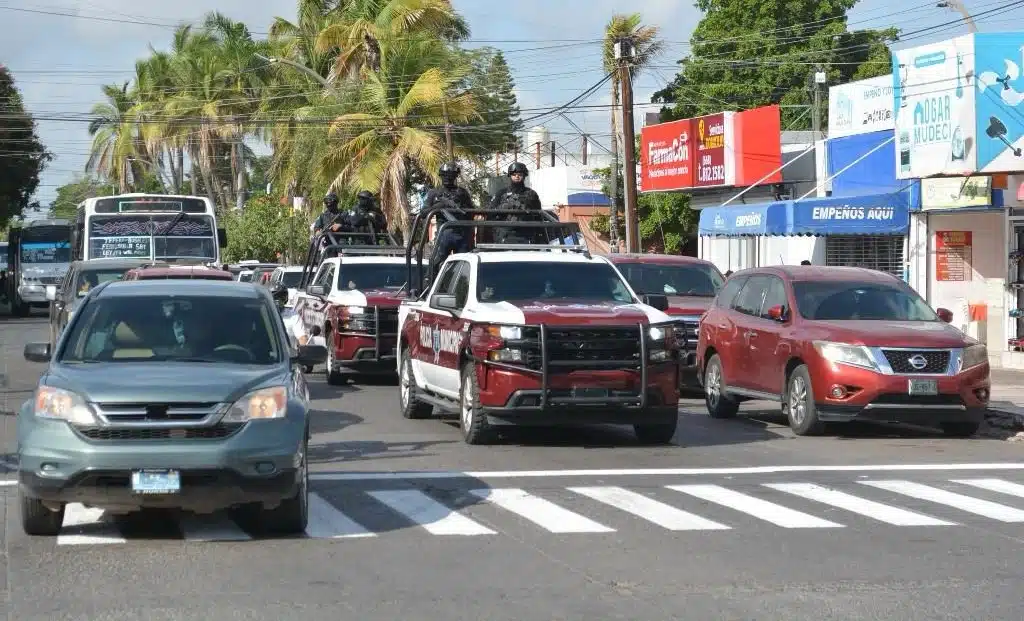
{"points": [[922, 387], [156, 482], [589, 393]]}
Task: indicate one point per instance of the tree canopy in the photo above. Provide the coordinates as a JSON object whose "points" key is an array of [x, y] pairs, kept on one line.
{"points": [[24, 158]]}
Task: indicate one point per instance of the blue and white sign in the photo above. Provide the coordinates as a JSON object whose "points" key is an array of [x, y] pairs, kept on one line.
{"points": [[860, 107], [742, 220], [998, 58], [879, 214]]}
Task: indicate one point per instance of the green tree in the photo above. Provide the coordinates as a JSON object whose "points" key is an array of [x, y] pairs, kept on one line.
{"points": [[26, 156], [490, 81], [264, 228], [746, 53], [71, 194]]}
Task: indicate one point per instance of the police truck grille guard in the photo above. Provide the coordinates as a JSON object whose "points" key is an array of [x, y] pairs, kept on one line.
{"points": [[384, 328], [560, 349]]}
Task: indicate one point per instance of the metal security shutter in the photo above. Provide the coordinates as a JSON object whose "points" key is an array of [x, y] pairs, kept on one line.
{"points": [[877, 252]]}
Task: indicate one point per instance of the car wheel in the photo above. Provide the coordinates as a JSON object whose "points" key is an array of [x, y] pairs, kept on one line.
{"points": [[800, 408], [411, 407], [37, 520], [719, 404], [960, 430], [291, 516], [475, 429], [331, 368], [308, 369], [655, 434]]}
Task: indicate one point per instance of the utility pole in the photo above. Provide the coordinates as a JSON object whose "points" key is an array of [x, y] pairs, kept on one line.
{"points": [[624, 54], [819, 80]]}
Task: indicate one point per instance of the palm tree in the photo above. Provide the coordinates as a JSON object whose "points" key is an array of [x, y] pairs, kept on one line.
{"points": [[113, 136], [646, 46], [400, 111]]}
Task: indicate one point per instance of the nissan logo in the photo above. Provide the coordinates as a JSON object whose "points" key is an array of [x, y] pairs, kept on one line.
{"points": [[918, 362]]}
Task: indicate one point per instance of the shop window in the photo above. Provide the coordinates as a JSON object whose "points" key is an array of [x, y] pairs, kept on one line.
{"points": [[876, 252]]}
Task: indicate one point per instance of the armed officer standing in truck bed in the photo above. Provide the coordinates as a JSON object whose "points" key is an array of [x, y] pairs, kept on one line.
{"points": [[521, 198], [456, 199]]}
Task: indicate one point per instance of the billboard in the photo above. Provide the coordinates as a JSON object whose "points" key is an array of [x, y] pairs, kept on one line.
{"points": [[860, 107], [934, 104], [718, 150], [998, 100]]}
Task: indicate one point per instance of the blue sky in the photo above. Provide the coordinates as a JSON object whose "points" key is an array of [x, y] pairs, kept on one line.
{"points": [[59, 61]]}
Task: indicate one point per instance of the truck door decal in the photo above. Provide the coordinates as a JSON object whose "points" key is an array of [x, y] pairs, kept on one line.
{"points": [[438, 340]]}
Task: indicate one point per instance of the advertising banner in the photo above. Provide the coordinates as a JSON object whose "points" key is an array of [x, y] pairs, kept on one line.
{"points": [[712, 163], [860, 107], [934, 104], [999, 97], [666, 156], [955, 192], [953, 256]]}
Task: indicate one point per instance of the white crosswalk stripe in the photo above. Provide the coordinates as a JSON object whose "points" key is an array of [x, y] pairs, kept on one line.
{"points": [[977, 506], [761, 509], [593, 510], [855, 504]]}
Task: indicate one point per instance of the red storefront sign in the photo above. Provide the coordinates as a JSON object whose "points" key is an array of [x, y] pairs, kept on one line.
{"points": [[710, 150], [666, 153]]}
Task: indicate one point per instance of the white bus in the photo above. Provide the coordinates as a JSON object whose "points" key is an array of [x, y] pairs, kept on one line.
{"points": [[161, 227]]}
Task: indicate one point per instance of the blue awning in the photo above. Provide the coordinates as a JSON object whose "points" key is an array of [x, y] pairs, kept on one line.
{"points": [[743, 220], [876, 214], [588, 198]]}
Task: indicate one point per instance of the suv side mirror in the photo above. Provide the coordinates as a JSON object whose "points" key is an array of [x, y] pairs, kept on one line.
{"points": [[311, 355], [656, 301], [777, 313], [317, 290], [315, 331], [945, 314], [37, 352], [447, 302], [51, 292]]}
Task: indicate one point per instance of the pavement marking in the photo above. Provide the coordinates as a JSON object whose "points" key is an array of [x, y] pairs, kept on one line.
{"points": [[976, 506], [762, 509], [87, 526], [648, 509], [430, 514], [512, 474], [326, 522], [206, 528], [541, 512], [855, 504], [995, 485]]}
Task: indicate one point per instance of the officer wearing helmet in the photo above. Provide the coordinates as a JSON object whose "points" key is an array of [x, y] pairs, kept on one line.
{"points": [[367, 217], [331, 218], [456, 199], [517, 197]]}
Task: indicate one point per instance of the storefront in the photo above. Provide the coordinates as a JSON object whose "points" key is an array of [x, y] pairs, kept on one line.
{"points": [[732, 237]]}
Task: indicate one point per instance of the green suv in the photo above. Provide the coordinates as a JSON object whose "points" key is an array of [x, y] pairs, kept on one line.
{"points": [[183, 394]]}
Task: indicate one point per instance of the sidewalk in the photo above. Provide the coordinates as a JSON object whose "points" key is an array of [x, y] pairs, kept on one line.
{"points": [[1008, 391]]}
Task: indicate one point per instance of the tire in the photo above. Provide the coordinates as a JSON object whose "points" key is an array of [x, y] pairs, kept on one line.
{"points": [[801, 410], [655, 434], [960, 430], [475, 429], [37, 520], [719, 404], [19, 308], [331, 367], [291, 517], [308, 369], [411, 407]]}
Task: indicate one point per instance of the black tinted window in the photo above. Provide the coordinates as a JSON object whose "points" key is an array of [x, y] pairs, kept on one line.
{"points": [[729, 291], [161, 328], [372, 276], [696, 279], [844, 300], [749, 299], [291, 279], [532, 280], [775, 295]]}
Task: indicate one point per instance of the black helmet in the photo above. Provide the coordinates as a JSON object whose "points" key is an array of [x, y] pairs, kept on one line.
{"points": [[331, 199], [450, 168], [518, 167], [365, 195]]}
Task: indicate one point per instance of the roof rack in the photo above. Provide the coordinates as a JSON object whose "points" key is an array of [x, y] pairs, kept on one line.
{"points": [[334, 243], [557, 231]]}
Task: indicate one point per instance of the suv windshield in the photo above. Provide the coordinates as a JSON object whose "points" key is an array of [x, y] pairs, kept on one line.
{"points": [[845, 300], [533, 280], [89, 279], [696, 279], [291, 279], [372, 275], [161, 328]]}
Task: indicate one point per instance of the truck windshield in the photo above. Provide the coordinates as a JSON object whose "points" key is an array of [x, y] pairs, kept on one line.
{"points": [[534, 280], [696, 279], [850, 301], [372, 275]]}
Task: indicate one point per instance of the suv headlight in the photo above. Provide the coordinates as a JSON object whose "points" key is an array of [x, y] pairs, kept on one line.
{"points": [[259, 404], [59, 404], [842, 353], [973, 356]]}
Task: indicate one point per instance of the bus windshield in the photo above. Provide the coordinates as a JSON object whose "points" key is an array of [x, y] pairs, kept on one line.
{"points": [[46, 244], [175, 236]]}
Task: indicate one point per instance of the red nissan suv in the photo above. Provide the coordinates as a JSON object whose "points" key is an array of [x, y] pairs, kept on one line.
{"points": [[836, 344]]}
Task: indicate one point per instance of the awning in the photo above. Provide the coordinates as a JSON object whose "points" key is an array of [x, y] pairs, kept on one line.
{"points": [[576, 199], [876, 214], [743, 220]]}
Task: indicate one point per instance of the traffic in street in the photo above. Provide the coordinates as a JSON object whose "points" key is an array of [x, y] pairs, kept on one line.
{"points": [[736, 518]]}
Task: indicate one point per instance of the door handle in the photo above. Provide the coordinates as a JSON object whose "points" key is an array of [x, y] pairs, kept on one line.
{"points": [[751, 334]]}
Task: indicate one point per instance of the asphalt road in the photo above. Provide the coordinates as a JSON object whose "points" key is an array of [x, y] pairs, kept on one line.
{"points": [[737, 520]]}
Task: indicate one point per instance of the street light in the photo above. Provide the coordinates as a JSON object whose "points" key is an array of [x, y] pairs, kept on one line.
{"points": [[957, 5], [303, 68]]}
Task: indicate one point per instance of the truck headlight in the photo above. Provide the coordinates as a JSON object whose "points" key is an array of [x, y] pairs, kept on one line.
{"points": [[973, 356], [259, 404], [56, 403], [842, 353]]}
